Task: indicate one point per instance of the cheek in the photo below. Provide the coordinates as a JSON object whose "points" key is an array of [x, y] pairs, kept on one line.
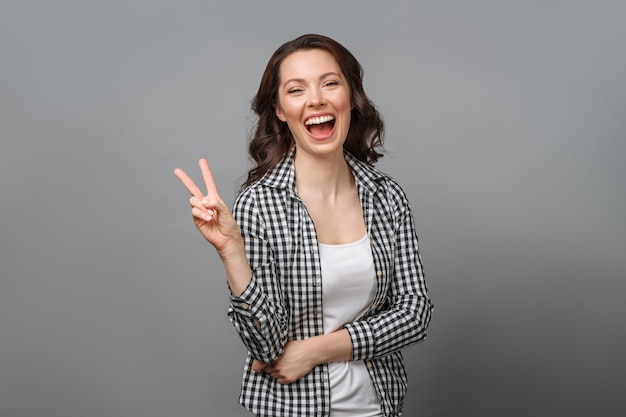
{"points": [[288, 109], [345, 102]]}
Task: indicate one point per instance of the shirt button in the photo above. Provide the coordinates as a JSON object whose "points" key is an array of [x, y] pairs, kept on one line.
{"points": [[379, 273], [245, 306], [368, 363]]}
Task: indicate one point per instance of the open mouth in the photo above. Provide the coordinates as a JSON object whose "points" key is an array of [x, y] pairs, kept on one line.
{"points": [[319, 126]]}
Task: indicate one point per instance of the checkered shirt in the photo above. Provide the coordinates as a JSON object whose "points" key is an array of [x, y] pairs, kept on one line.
{"points": [[284, 298]]}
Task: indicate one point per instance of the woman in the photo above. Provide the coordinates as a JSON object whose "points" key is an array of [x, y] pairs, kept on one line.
{"points": [[320, 251]]}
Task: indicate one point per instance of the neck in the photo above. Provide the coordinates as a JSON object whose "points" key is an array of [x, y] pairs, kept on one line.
{"points": [[325, 177]]}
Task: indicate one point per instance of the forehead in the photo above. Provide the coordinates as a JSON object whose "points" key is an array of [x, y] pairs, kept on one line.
{"points": [[306, 64]]}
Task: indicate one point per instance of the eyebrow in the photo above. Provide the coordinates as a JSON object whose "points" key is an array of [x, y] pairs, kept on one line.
{"points": [[301, 80]]}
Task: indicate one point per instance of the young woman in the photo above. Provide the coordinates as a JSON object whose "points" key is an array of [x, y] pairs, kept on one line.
{"points": [[320, 250]]}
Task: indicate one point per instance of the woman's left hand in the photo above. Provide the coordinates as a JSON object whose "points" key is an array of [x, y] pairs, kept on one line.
{"points": [[295, 362]]}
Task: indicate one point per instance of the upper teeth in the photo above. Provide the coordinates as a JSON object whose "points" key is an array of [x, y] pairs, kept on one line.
{"points": [[319, 120]]}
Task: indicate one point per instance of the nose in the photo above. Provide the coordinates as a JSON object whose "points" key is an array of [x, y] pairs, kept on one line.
{"points": [[316, 98]]}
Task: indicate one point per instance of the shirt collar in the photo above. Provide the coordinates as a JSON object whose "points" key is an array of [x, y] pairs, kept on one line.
{"points": [[283, 174]]}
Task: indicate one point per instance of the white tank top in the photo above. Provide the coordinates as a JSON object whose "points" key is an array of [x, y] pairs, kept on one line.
{"points": [[348, 288]]}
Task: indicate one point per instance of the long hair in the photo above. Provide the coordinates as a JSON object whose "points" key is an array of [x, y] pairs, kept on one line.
{"points": [[271, 140]]}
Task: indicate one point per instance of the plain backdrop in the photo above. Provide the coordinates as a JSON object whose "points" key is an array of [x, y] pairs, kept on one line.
{"points": [[505, 125]]}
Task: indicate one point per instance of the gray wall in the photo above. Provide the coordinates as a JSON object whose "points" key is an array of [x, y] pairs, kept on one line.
{"points": [[505, 125]]}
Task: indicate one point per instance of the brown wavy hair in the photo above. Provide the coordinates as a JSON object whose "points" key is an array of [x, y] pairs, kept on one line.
{"points": [[272, 140]]}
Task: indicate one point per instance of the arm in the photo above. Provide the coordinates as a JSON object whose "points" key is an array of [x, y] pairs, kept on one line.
{"points": [[255, 308], [258, 313], [402, 319], [301, 356]]}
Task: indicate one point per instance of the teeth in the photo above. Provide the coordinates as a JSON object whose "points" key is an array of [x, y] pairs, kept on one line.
{"points": [[319, 120]]}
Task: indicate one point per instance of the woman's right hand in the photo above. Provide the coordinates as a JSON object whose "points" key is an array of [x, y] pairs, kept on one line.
{"points": [[211, 216]]}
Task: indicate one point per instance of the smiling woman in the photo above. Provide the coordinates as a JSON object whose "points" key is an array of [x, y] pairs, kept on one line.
{"points": [[314, 101], [272, 140], [320, 250]]}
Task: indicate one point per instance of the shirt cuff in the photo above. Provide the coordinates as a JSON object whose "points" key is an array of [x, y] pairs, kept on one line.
{"points": [[249, 303], [363, 343]]}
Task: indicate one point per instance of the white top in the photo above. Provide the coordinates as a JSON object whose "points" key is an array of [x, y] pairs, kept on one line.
{"points": [[348, 288]]}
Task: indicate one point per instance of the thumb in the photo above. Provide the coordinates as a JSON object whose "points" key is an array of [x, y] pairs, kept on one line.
{"points": [[258, 366]]}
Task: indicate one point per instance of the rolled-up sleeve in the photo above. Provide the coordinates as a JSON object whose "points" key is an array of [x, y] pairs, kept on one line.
{"points": [[258, 314]]}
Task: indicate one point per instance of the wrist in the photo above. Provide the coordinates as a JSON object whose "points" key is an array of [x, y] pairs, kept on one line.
{"points": [[333, 347], [233, 251], [237, 268]]}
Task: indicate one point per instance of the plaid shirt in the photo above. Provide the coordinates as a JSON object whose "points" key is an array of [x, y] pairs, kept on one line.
{"points": [[284, 298]]}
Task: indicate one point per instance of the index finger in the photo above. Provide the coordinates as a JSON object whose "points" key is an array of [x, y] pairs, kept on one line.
{"points": [[209, 181], [188, 183]]}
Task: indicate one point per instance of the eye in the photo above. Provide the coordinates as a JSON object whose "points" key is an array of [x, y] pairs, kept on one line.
{"points": [[331, 84], [295, 90]]}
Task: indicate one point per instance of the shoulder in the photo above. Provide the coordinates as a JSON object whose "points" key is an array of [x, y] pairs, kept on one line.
{"points": [[394, 189], [245, 206], [253, 196], [262, 203], [376, 181], [393, 197], [275, 182]]}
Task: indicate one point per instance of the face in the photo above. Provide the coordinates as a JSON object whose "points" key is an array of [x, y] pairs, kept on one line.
{"points": [[314, 101]]}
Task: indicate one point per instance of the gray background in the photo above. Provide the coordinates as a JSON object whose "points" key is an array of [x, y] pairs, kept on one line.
{"points": [[505, 125]]}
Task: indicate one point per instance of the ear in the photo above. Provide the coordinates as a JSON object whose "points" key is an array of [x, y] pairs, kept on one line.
{"points": [[280, 114]]}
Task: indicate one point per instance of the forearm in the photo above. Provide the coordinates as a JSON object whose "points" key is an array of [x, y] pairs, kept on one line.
{"points": [[301, 356], [390, 330], [256, 309], [332, 347], [237, 268]]}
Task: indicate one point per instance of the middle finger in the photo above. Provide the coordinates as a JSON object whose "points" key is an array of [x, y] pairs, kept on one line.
{"points": [[209, 181]]}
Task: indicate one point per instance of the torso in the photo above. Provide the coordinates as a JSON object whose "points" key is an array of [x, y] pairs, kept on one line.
{"points": [[348, 289]]}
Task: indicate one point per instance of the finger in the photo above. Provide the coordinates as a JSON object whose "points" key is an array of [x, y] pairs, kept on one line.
{"points": [[199, 211], [209, 181], [205, 215], [258, 366], [283, 381], [201, 204], [271, 370], [188, 183], [217, 205]]}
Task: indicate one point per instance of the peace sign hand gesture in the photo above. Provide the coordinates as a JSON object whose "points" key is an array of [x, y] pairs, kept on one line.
{"points": [[211, 216]]}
